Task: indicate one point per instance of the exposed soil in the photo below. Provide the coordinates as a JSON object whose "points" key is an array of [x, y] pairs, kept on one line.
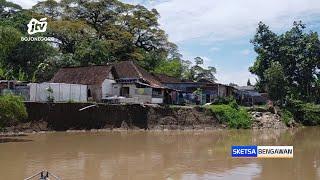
{"points": [[181, 118], [67, 117]]}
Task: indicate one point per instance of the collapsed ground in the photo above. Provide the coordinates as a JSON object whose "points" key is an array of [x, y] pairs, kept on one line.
{"points": [[67, 116]]}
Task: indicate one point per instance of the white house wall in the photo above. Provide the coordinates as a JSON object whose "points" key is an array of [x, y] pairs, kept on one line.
{"points": [[61, 92], [107, 88], [140, 95]]}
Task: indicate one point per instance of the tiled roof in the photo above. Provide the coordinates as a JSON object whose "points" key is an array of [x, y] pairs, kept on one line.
{"points": [[88, 75], [129, 69]]}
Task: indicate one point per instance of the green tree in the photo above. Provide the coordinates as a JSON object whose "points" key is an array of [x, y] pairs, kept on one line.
{"points": [[129, 32], [10, 37], [276, 84], [88, 32], [12, 110], [8, 8], [266, 45], [172, 68], [197, 72], [296, 51], [48, 8]]}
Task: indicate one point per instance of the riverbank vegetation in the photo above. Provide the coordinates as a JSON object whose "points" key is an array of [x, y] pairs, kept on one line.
{"points": [[287, 67], [227, 111], [306, 113], [12, 110]]}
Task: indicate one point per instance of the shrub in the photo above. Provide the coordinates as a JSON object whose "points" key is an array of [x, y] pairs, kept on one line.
{"points": [[12, 110], [286, 116], [233, 117], [311, 114], [306, 113]]}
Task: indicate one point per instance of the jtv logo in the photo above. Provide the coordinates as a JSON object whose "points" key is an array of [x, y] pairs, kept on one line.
{"points": [[36, 26]]}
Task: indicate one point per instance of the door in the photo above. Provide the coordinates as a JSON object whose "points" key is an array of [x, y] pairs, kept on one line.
{"points": [[124, 91]]}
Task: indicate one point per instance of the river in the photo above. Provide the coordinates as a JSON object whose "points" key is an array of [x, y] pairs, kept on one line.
{"points": [[159, 155]]}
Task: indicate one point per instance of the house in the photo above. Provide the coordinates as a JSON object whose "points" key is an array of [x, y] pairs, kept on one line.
{"points": [[134, 82], [99, 80], [123, 81], [209, 91], [247, 95]]}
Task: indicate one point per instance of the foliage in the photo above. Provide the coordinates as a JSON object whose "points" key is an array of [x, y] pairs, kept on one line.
{"points": [[89, 33], [306, 113], [12, 110], [230, 100], [7, 8], [286, 116], [19, 60], [275, 82], [10, 37], [296, 54], [126, 31], [172, 68], [234, 118], [197, 72], [50, 97]]}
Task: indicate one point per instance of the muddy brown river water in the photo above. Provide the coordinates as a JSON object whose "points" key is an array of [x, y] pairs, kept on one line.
{"points": [[159, 155]]}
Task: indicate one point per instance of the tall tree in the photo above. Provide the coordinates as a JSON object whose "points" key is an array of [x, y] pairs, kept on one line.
{"points": [[296, 51], [8, 8], [197, 72]]}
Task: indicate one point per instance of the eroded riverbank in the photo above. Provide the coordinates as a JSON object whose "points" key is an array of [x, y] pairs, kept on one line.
{"points": [[76, 117]]}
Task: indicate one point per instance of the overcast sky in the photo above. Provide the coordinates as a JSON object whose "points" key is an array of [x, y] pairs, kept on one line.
{"points": [[219, 31]]}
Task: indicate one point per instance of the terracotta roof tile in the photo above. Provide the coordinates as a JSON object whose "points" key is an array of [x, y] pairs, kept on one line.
{"points": [[89, 75]]}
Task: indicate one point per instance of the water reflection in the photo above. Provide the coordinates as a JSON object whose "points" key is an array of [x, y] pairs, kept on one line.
{"points": [[161, 155]]}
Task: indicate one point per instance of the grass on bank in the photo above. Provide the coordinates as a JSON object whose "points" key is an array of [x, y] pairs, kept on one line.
{"points": [[231, 114], [12, 110]]}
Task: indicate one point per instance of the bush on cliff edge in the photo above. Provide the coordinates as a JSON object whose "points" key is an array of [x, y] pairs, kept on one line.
{"points": [[306, 113], [230, 114], [12, 110]]}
